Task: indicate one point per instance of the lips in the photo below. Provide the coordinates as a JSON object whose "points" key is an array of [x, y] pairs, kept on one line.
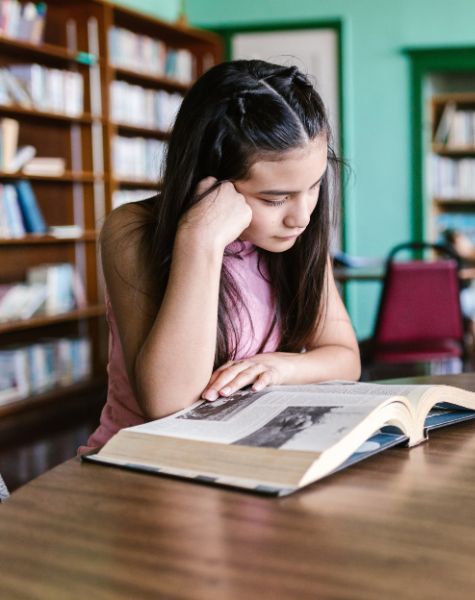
{"points": [[288, 237]]}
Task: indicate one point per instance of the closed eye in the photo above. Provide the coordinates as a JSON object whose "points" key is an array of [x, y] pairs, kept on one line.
{"points": [[273, 202]]}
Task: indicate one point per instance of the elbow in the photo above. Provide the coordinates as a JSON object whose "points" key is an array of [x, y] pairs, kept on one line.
{"points": [[157, 397], [355, 371], [355, 365], [350, 363], [157, 404]]}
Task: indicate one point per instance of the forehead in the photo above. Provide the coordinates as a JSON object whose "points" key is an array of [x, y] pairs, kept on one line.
{"points": [[304, 165]]}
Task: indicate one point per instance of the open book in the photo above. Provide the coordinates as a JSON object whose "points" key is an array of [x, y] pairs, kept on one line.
{"points": [[285, 437]]}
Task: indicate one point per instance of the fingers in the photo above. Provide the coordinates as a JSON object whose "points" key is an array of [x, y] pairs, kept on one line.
{"points": [[263, 380], [234, 376]]}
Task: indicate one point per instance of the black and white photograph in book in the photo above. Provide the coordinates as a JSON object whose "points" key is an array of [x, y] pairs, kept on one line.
{"points": [[285, 426], [224, 408]]}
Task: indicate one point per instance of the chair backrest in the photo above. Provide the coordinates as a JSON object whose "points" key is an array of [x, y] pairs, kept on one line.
{"points": [[421, 299]]}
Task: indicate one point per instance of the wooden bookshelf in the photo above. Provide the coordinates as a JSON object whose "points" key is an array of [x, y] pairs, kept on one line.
{"points": [[87, 236], [149, 81], [451, 170], [94, 385], [20, 112], [88, 312], [67, 177], [77, 39]]}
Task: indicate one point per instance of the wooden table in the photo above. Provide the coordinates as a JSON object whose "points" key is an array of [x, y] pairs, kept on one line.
{"points": [[401, 524]]}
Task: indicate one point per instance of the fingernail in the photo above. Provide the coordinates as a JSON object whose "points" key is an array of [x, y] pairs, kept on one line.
{"points": [[210, 395], [225, 391]]}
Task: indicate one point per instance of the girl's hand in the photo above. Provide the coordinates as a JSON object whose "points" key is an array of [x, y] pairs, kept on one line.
{"points": [[221, 216], [261, 370]]}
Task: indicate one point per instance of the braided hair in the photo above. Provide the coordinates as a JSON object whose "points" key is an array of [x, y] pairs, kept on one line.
{"points": [[237, 113]]}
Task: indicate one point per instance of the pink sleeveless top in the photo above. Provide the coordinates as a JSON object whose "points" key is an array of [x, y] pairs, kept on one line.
{"points": [[122, 409]]}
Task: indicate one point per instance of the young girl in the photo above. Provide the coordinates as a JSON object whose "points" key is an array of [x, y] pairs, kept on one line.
{"points": [[223, 280]]}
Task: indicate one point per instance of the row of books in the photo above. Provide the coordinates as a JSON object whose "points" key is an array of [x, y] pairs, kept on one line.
{"points": [[456, 127], [23, 21], [135, 105], [19, 211], [151, 56], [49, 289], [36, 368], [34, 86], [137, 158], [452, 178], [120, 197], [14, 159]]}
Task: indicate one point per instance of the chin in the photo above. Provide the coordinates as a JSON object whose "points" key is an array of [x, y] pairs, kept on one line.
{"points": [[277, 245]]}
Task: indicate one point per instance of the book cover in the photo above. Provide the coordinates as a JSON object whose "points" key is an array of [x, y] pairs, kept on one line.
{"points": [[33, 218], [9, 133]]}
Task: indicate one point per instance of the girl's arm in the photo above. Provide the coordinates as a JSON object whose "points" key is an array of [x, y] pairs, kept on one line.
{"points": [[334, 354], [169, 353]]}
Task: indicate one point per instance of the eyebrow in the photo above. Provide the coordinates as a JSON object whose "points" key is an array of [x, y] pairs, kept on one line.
{"points": [[289, 192]]}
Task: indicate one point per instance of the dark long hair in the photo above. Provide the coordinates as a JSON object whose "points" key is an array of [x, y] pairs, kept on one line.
{"points": [[235, 114]]}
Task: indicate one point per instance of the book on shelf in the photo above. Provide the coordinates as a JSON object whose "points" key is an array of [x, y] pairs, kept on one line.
{"points": [[11, 222], [13, 91], [14, 384], [452, 178], [44, 365], [137, 158], [135, 105], [65, 231], [20, 301], [19, 211], [32, 215], [13, 158], [22, 157], [52, 90], [148, 55], [23, 21], [8, 141], [443, 128], [65, 289], [46, 166], [283, 438]]}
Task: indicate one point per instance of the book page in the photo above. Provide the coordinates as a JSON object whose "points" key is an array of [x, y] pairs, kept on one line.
{"points": [[309, 418]]}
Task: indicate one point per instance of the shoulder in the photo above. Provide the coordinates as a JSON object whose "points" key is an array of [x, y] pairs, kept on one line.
{"points": [[125, 240], [125, 220]]}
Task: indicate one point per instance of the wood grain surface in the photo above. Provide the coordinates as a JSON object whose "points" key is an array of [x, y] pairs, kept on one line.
{"points": [[401, 524]]}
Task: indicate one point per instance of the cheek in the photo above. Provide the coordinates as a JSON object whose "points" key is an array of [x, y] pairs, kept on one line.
{"points": [[263, 219]]}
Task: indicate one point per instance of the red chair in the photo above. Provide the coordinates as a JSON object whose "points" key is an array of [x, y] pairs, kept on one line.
{"points": [[419, 318]]}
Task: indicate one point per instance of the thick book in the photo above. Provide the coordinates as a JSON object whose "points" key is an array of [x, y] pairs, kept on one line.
{"points": [[285, 437]]}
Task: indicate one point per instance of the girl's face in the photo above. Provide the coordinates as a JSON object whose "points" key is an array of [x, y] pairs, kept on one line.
{"points": [[283, 194]]}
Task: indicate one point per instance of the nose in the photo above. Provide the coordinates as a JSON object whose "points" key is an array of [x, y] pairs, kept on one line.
{"points": [[298, 215]]}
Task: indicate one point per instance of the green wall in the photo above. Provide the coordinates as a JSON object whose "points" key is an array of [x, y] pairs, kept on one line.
{"points": [[163, 9], [375, 101]]}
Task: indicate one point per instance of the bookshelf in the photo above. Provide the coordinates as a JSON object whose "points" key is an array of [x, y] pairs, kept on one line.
{"points": [[451, 169], [80, 37], [442, 81]]}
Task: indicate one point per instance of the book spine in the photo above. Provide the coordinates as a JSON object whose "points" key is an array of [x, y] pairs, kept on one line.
{"points": [[14, 217], [34, 220]]}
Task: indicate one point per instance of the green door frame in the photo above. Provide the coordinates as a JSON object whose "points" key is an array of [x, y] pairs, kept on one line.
{"points": [[228, 31], [423, 62]]}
